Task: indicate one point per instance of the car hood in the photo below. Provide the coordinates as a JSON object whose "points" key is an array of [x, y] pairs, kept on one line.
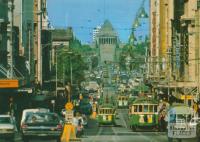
{"points": [[6, 126]]}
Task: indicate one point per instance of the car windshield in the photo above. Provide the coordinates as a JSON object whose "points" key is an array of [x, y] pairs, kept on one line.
{"points": [[42, 118], [5, 120]]}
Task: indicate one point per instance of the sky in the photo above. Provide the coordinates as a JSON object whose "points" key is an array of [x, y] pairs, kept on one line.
{"points": [[84, 15]]}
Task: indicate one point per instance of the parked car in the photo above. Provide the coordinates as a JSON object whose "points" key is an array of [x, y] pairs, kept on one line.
{"points": [[92, 86], [7, 127], [42, 124]]}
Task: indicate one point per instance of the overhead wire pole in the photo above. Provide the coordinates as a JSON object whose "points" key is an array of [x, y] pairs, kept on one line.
{"points": [[56, 72], [71, 70]]}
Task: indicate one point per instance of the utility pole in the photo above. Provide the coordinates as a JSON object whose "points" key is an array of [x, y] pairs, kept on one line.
{"points": [[71, 70], [39, 47]]}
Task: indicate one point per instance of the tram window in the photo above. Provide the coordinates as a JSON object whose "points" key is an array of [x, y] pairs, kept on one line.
{"points": [[130, 110], [189, 102], [181, 118], [172, 118], [140, 108], [145, 108], [135, 108], [189, 117], [155, 108], [150, 108]]}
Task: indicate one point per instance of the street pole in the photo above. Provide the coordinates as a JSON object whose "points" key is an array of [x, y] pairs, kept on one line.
{"points": [[63, 74], [56, 73], [71, 70]]}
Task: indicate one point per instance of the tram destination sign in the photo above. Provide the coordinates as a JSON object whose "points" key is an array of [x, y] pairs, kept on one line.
{"points": [[185, 131]]}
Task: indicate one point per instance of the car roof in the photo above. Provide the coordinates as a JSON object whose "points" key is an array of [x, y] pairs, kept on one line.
{"points": [[51, 113], [5, 115]]}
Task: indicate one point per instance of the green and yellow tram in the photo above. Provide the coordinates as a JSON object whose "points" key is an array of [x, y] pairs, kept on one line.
{"points": [[106, 114], [143, 113], [122, 101]]}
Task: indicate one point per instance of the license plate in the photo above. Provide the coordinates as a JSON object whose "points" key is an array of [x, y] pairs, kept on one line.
{"points": [[42, 134], [3, 131]]}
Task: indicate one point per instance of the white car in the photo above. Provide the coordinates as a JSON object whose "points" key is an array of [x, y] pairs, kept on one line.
{"points": [[92, 85], [7, 127]]}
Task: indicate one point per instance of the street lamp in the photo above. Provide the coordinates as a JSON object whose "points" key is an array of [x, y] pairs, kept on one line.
{"points": [[70, 60]]}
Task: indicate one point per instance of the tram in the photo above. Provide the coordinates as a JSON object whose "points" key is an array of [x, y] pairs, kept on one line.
{"points": [[180, 124], [143, 113], [106, 114], [122, 101]]}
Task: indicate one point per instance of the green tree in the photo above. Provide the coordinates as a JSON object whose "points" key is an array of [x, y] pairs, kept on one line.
{"points": [[73, 61]]}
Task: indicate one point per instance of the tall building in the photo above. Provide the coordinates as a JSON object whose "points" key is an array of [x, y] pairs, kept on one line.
{"points": [[3, 36], [107, 41], [23, 19], [174, 51], [95, 32], [40, 22]]}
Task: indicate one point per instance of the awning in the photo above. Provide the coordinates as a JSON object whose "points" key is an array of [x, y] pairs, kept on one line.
{"points": [[177, 85]]}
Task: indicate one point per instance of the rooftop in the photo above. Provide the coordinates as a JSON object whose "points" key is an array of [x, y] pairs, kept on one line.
{"points": [[107, 29], [62, 34]]}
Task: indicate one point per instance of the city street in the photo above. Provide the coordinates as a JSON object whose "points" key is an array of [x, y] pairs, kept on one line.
{"points": [[100, 70]]}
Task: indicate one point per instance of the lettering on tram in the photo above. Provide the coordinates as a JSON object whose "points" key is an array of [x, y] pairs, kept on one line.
{"points": [[180, 125]]}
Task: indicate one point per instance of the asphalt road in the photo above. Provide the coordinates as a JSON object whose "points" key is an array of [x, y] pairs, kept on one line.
{"points": [[119, 133], [122, 133]]}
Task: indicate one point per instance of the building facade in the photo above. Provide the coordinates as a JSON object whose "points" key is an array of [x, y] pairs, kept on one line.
{"points": [[107, 41], [3, 35], [174, 50]]}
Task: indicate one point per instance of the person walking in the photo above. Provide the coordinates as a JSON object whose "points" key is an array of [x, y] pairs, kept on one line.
{"points": [[79, 129]]}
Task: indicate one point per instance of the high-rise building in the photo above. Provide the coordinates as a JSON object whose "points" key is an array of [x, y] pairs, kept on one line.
{"points": [[95, 32], [3, 35]]}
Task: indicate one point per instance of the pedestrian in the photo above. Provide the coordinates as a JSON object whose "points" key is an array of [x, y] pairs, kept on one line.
{"points": [[79, 132], [198, 110]]}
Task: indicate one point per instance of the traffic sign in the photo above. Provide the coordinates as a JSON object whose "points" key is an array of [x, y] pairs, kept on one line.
{"points": [[69, 106]]}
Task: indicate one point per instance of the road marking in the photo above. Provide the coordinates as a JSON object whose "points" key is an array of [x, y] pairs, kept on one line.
{"points": [[115, 137]]}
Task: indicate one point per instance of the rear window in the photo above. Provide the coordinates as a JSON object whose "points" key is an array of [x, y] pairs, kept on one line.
{"points": [[42, 118], [5, 120]]}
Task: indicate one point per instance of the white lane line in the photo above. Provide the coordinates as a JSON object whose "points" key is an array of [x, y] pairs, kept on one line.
{"points": [[115, 137]]}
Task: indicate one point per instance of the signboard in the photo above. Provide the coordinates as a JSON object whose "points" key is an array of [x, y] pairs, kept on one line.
{"points": [[181, 130], [187, 97], [69, 115], [69, 106], [25, 90], [9, 83]]}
